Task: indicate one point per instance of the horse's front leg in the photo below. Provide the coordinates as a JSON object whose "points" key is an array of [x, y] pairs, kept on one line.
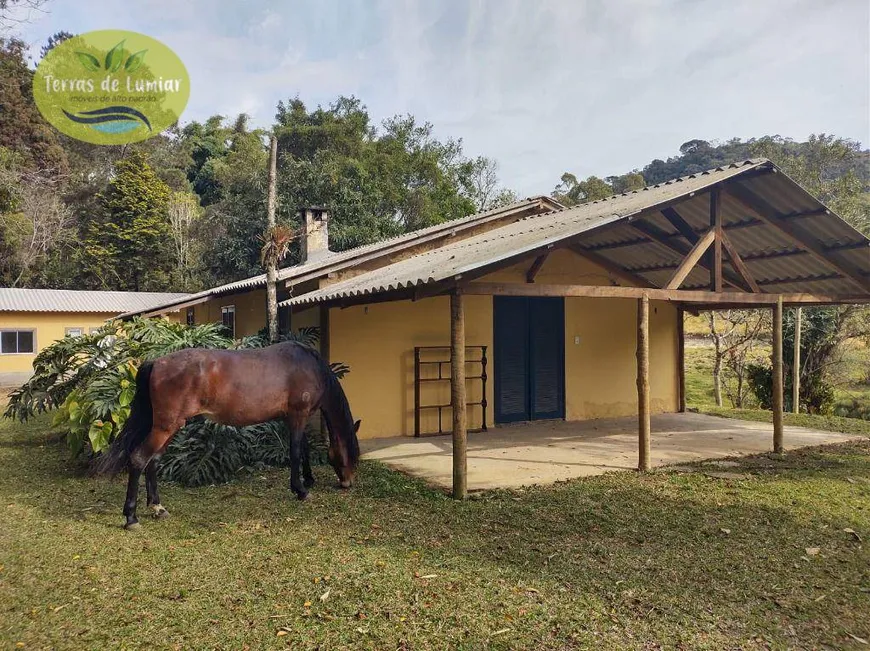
{"points": [[297, 436], [307, 475], [157, 509]]}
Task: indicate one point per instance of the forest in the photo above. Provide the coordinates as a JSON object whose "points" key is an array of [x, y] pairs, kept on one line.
{"points": [[186, 209]]}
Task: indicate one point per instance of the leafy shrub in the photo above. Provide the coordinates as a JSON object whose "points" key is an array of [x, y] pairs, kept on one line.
{"points": [[761, 383], [818, 398], [90, 382]]}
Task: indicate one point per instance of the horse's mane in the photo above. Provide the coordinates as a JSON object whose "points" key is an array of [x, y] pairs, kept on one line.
{"points": [[338, 401]]}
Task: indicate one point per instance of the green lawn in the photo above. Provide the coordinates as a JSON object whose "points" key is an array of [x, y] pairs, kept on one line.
{"points": [[761, 559]]}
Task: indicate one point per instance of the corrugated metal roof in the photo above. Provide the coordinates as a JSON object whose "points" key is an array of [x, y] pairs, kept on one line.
{"points": [[606, 222], [346, 258], [14, 299]]}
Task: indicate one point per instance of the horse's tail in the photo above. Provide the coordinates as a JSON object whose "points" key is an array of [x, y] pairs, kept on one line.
{"points": [[135, 430]]}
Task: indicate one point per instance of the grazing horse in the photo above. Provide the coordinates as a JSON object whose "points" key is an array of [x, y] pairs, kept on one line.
{"points": [[234, 387]]}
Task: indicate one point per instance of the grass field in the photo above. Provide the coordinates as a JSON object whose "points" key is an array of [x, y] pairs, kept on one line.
{"points": [[762, 558]]}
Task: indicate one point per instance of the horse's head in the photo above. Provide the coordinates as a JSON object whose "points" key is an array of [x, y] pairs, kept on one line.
{"points": [[344, 456]]}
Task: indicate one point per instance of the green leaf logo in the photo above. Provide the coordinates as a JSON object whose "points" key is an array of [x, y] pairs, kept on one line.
{"points": [[89, 61], [135, 61], [115, 57]]}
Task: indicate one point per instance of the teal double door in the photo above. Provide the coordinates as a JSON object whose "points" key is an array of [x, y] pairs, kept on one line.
{"points": [[528, 358]]}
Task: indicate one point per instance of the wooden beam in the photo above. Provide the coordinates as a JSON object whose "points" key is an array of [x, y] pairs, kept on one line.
{"points": [[536, 266], [657, 235], [796, 364], [716, 227], [737, 263], [681, 225], [675, 295], [692, 258], [777, 377], [612, 267], [681, 358], [457, 396], [796, 234], [643, 402]]}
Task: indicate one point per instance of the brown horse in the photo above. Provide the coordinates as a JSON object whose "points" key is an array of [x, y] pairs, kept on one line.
{"points": [[234, 387]]}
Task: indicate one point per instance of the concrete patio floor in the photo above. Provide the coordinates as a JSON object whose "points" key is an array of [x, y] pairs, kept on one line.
{"points": [[546, 452]]}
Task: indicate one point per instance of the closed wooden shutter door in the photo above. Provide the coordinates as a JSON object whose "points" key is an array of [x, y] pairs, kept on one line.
{"points": [[546, 358], [511, 358]]}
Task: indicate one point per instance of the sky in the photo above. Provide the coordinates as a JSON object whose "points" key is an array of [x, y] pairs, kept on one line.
{"points": [[543, 87]]}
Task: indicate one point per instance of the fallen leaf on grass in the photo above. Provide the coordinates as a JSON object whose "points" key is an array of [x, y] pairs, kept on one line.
{"points": [[59, 608], [501, 632], [860, 640], [853, 532], [725, 531], [324, 596], [812, 551], [307, 604], [281, 633], [428, 576]]}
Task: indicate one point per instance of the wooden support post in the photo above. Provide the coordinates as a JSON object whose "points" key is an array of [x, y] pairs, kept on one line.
{"points": [[796, 365], [777, 376], [457, 395], [681, 358], [643, 418], [716, 227]]}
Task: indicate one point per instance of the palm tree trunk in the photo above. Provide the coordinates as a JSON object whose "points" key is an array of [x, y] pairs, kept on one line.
{"points": [[271, 260]]}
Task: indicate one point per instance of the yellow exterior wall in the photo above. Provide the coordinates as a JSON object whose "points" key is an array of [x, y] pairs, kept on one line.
{"points": [[250, 311], [49, 326], [377, 341]]}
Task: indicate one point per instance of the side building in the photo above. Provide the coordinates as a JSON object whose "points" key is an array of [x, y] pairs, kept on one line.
{"points": [[31, 319]]}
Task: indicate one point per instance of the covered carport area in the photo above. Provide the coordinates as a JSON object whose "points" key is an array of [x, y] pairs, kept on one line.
{"points": [[545, 452], [739, 236]]}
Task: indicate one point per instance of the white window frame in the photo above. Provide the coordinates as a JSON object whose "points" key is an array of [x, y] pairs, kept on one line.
{"points": [[229, 309], [67, 331], [32, 331]]}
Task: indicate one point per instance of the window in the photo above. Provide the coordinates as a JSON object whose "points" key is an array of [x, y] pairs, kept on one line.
{"points": [[228, 318], [74, 332], [17, 342], [191, 316]]}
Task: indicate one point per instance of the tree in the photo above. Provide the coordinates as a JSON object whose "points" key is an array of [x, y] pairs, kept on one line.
{"points": [[483, 186], [22, 128], [735, 335], [571, 192], [128, 246], [184, 211], [34, 221]]}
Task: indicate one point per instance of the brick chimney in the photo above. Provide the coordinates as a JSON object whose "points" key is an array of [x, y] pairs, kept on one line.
{"points": [[315, 229]]}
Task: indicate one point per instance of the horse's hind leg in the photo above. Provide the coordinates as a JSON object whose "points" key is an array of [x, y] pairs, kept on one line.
{"points": [[296, 425], [157, 509], [307, 476]]}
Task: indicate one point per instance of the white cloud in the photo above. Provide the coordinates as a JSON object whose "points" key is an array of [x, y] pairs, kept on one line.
{"points": [[543, 87]]}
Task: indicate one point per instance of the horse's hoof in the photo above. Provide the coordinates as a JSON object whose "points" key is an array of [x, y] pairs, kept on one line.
{"points": [[301, 496], [159, 512], [308, 483], [132, 526]]}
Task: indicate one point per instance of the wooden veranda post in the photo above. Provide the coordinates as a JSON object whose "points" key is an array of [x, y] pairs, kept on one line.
{"points": [[643, 417], [457, 395], [796, 365], [777, 376], [681, 358]]}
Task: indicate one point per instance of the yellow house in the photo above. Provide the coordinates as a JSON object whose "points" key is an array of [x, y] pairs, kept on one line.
{"points": [[559, 313], [31, 319]]}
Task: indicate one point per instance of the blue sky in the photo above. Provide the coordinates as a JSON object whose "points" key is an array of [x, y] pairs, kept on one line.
{"points": [[543, 87]]}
